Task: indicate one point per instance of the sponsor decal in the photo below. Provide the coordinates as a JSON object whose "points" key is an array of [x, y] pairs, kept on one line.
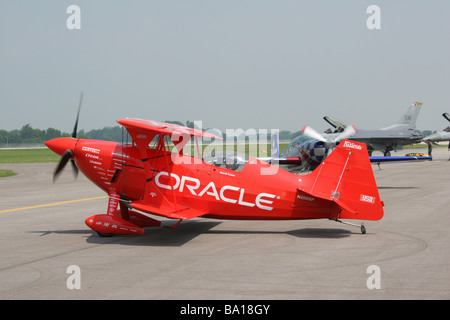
{"points": [[349, 144], [368, 199], [88, 155], [301, 197], [88, 149], [226, 193]]}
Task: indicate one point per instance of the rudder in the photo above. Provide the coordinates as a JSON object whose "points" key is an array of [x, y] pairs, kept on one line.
{"points": [[346, 178]]}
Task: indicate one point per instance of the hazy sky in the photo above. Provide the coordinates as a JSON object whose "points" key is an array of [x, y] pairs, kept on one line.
{"points": [[229, 63]]}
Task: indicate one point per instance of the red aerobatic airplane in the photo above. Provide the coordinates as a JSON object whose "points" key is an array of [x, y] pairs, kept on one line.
{"points": [[152, 177]]}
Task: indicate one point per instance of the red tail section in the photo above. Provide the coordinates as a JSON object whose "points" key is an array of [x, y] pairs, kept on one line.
{"points": [[346, 178]]}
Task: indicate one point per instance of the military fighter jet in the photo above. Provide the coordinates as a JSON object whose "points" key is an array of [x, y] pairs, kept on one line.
{"points": [[390, 138], [439, 136], [305, 152]]}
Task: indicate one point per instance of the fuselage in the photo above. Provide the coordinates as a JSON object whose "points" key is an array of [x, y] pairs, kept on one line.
{"points": [[380, 139], [438, 136], [256, 191]]}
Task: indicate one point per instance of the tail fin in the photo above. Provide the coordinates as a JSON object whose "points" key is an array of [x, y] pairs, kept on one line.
{"points": [[408, 120], [346, 178]]}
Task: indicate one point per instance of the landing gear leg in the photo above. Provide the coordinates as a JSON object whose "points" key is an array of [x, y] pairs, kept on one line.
{"points": [[387, 151], [361, 226], [174, 226]]}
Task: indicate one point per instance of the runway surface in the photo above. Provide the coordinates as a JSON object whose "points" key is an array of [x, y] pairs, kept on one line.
{"points": [[42, 233]]}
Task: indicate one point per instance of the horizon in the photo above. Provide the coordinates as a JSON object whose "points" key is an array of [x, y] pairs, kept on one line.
{"points": [[231, 64]]}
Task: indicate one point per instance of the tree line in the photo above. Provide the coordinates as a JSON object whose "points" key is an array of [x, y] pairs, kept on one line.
{"points": [[29, 135], [32, 136]]}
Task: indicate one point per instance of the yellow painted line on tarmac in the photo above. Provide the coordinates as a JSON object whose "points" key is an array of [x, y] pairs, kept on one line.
{"points": [[52, 204]]}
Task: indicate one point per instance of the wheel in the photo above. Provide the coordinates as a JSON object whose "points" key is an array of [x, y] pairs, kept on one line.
{"points": [[363, 229], [105, 235]]}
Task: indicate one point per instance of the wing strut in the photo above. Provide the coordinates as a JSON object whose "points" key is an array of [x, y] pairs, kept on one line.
{"points": [[163, 149]]}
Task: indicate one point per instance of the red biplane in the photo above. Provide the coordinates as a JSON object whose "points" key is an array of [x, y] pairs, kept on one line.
{"points": [[151, 176]]}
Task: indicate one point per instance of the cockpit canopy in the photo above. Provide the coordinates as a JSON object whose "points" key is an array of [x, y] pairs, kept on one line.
{"points": [[227, 159], [292, 150]]}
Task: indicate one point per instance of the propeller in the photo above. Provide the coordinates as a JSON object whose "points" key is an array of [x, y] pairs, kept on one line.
{"points": [[75, 128], [330, 141], [68, 154], [347, 133], [310, 132], [62, 163]]}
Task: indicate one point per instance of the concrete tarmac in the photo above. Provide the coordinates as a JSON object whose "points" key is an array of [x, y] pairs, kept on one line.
{"points": [[403, 256]]}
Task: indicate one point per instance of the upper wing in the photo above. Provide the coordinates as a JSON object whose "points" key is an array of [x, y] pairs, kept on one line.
{"points": [[143, 131], [147, 126]]}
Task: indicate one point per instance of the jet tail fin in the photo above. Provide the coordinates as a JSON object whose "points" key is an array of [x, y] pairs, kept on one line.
{"points": [[346, 179], [408, 120]]}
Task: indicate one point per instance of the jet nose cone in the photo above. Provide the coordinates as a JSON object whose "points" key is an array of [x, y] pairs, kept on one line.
{"points": [[60, 145]]}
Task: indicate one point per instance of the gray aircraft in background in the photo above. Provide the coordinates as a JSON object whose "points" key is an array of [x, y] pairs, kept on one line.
{"points": [[393, 137], [439, 136]]}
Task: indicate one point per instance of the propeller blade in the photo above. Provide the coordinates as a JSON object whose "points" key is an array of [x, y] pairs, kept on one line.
{"points": [[310, 132], [75, 168], [62, 163], [68, 154], [347, 133], [75, 129]]}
